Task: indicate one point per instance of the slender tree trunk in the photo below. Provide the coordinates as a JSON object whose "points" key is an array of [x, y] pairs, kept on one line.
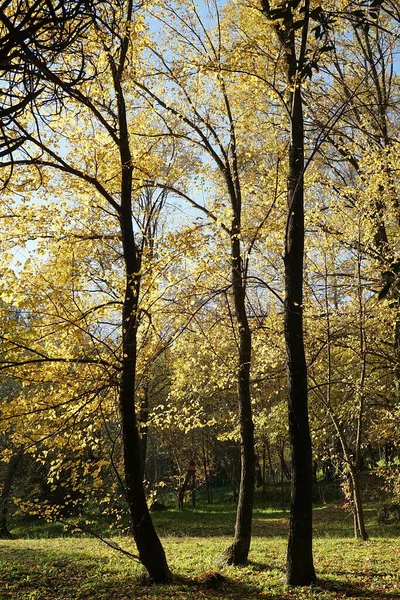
{"points": [[264, 470], [207, 477], [271, 468], [5, 495], [143, 418], [184, 486], [259, 475], [151, 551], [360, 530], [300, 566], [285, 469], [237, 553], [194, 488]]}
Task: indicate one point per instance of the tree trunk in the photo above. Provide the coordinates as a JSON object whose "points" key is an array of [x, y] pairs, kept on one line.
{"points": [[151, 552], [360, 530], [300, 567], [259, 474], [207, 477], [182, 490], [264, 471], [237, 553], [194, 487], [143, 418], [271, 468], [5, 496]]}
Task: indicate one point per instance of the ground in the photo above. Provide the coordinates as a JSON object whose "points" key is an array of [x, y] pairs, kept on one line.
{"points": [[81, 568]]}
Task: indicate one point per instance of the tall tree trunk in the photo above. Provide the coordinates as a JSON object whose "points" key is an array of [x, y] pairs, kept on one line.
{"points": [[237, 553], [5, 495], [300, 566], [151, 551], [360, 530]]}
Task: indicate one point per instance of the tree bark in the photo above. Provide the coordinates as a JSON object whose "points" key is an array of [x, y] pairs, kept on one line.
{"points": [[237, 553], [151, 551], [300, 567], [5, 495]]}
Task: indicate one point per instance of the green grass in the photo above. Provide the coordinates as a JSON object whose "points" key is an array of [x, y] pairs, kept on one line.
{"points": [[81, 568]]}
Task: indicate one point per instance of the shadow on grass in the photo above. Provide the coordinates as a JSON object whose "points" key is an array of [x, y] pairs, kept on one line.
{"points": [[354, 590], [262, 567], [75, 576], [231, 588]]}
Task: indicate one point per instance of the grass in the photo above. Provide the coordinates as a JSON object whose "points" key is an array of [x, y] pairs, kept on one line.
{"points": [[81, 568]]}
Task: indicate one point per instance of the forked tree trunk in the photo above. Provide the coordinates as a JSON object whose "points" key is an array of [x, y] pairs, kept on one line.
{"points": [[300, 567]]}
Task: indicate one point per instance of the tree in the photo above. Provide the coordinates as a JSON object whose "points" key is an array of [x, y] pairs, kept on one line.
{"points": [[110, 47], [300, 567]]}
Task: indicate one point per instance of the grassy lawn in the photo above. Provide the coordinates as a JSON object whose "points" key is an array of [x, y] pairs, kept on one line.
{"points": [[69, 568]]}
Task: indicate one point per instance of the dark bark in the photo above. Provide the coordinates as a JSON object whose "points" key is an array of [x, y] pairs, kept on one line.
{"points": [[300, 567], [259, 474], [237, 553], [151, 551], [5, 495]]}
